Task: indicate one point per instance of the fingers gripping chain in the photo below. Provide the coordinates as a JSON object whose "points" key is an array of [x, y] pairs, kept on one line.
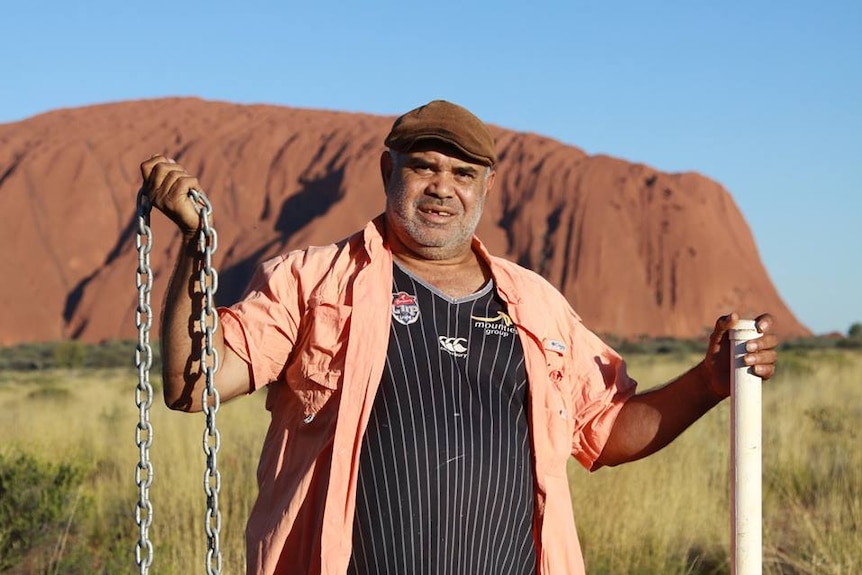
{"points": [[208, 324]]}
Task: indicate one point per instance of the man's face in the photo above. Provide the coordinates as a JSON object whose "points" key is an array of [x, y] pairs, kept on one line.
{"points": [[434, 200]]}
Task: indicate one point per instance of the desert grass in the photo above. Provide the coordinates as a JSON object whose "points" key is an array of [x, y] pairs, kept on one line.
{"points": [[90, 418], [668, 514]]}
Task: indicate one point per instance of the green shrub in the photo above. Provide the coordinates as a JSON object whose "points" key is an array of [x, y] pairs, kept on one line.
{"points": [[849, 343], [644, 345], [36, 502], [25, 357], [70, 354]]}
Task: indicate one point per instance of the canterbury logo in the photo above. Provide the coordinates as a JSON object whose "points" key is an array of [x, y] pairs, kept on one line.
{"points": [[453, 345], [501, 316]]}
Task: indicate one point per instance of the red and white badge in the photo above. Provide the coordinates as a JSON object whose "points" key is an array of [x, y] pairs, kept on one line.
{"points": [[405, 309]]}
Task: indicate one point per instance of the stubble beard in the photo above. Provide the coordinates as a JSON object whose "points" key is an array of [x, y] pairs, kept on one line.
{"points": [[430, 241]]}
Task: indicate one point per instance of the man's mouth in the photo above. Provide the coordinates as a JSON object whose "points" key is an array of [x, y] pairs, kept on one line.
{"points": [[435, 211]]}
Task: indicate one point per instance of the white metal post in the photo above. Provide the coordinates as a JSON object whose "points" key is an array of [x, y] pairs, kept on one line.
{"points": [[745, 456]]}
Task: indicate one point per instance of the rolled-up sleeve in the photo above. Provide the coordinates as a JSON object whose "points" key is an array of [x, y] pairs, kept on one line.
{"points": [[262, 327], [602, 389]]}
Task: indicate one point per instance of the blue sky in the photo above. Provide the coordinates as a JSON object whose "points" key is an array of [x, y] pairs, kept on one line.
{"points": [[764, 97]]}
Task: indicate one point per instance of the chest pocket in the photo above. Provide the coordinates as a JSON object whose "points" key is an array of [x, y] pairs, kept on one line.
{"points": [[559, 368], [316, 369]]}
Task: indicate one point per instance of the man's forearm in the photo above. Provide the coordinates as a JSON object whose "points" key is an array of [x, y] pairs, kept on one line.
{"points": [[181, 335], [651, 420]]}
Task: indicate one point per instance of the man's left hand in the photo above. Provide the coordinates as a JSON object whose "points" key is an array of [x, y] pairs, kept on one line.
{"points": [[761, 353]]}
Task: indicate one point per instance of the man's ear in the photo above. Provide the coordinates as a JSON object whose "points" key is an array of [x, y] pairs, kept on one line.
{"points": [[386, 166], [489, 182]]}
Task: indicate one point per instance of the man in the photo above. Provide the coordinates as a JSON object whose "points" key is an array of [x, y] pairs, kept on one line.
{"points": [[425, 396]]}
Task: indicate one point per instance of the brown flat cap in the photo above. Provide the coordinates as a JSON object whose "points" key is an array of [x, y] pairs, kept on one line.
{"points": [[447, 122]]}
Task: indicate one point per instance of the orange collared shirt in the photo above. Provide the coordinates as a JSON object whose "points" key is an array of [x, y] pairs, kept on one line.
{"points": [[314, 327]]}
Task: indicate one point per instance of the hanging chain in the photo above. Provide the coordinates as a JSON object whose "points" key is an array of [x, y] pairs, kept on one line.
{"points": [[208, 323], [144, 391], [208, 282]]}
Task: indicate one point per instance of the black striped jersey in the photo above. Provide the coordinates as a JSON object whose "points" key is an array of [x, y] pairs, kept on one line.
{"points": [[445, 481]]}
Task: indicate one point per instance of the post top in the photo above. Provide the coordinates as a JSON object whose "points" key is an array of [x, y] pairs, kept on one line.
{"points": [[744, 324], [743, 330]]}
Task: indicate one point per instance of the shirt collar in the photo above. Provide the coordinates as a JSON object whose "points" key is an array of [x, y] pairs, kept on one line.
{"points": [[374, 240], [373, 236], [503, 279]]}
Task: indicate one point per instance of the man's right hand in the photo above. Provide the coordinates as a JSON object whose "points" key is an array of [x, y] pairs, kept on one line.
{"points": [[167, 184]]}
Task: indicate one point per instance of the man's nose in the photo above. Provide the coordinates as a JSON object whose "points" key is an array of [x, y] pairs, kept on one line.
{"points": [[441, 185]]}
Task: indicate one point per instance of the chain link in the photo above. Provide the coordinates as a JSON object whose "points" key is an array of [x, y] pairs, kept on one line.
{"points": [[208, 283], [144, 391], [208, 323]]}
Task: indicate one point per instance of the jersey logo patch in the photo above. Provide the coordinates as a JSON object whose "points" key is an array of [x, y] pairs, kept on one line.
{"points": [[455, 346], [500, 324], [405, 310]]}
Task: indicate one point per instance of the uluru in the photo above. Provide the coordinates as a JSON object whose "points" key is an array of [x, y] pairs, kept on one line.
{"points": [[637, 252]]}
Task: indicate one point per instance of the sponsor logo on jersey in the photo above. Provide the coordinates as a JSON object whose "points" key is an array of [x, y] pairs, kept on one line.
{"points": [[405, 310], [455, 346], [501, 324]]}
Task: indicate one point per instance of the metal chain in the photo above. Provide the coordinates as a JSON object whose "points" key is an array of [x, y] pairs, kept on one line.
{"points": [[208, 323], [144, 391], [208, 282]]}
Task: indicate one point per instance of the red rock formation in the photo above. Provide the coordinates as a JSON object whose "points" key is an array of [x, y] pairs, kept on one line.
{"points": [[637, 251]]}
